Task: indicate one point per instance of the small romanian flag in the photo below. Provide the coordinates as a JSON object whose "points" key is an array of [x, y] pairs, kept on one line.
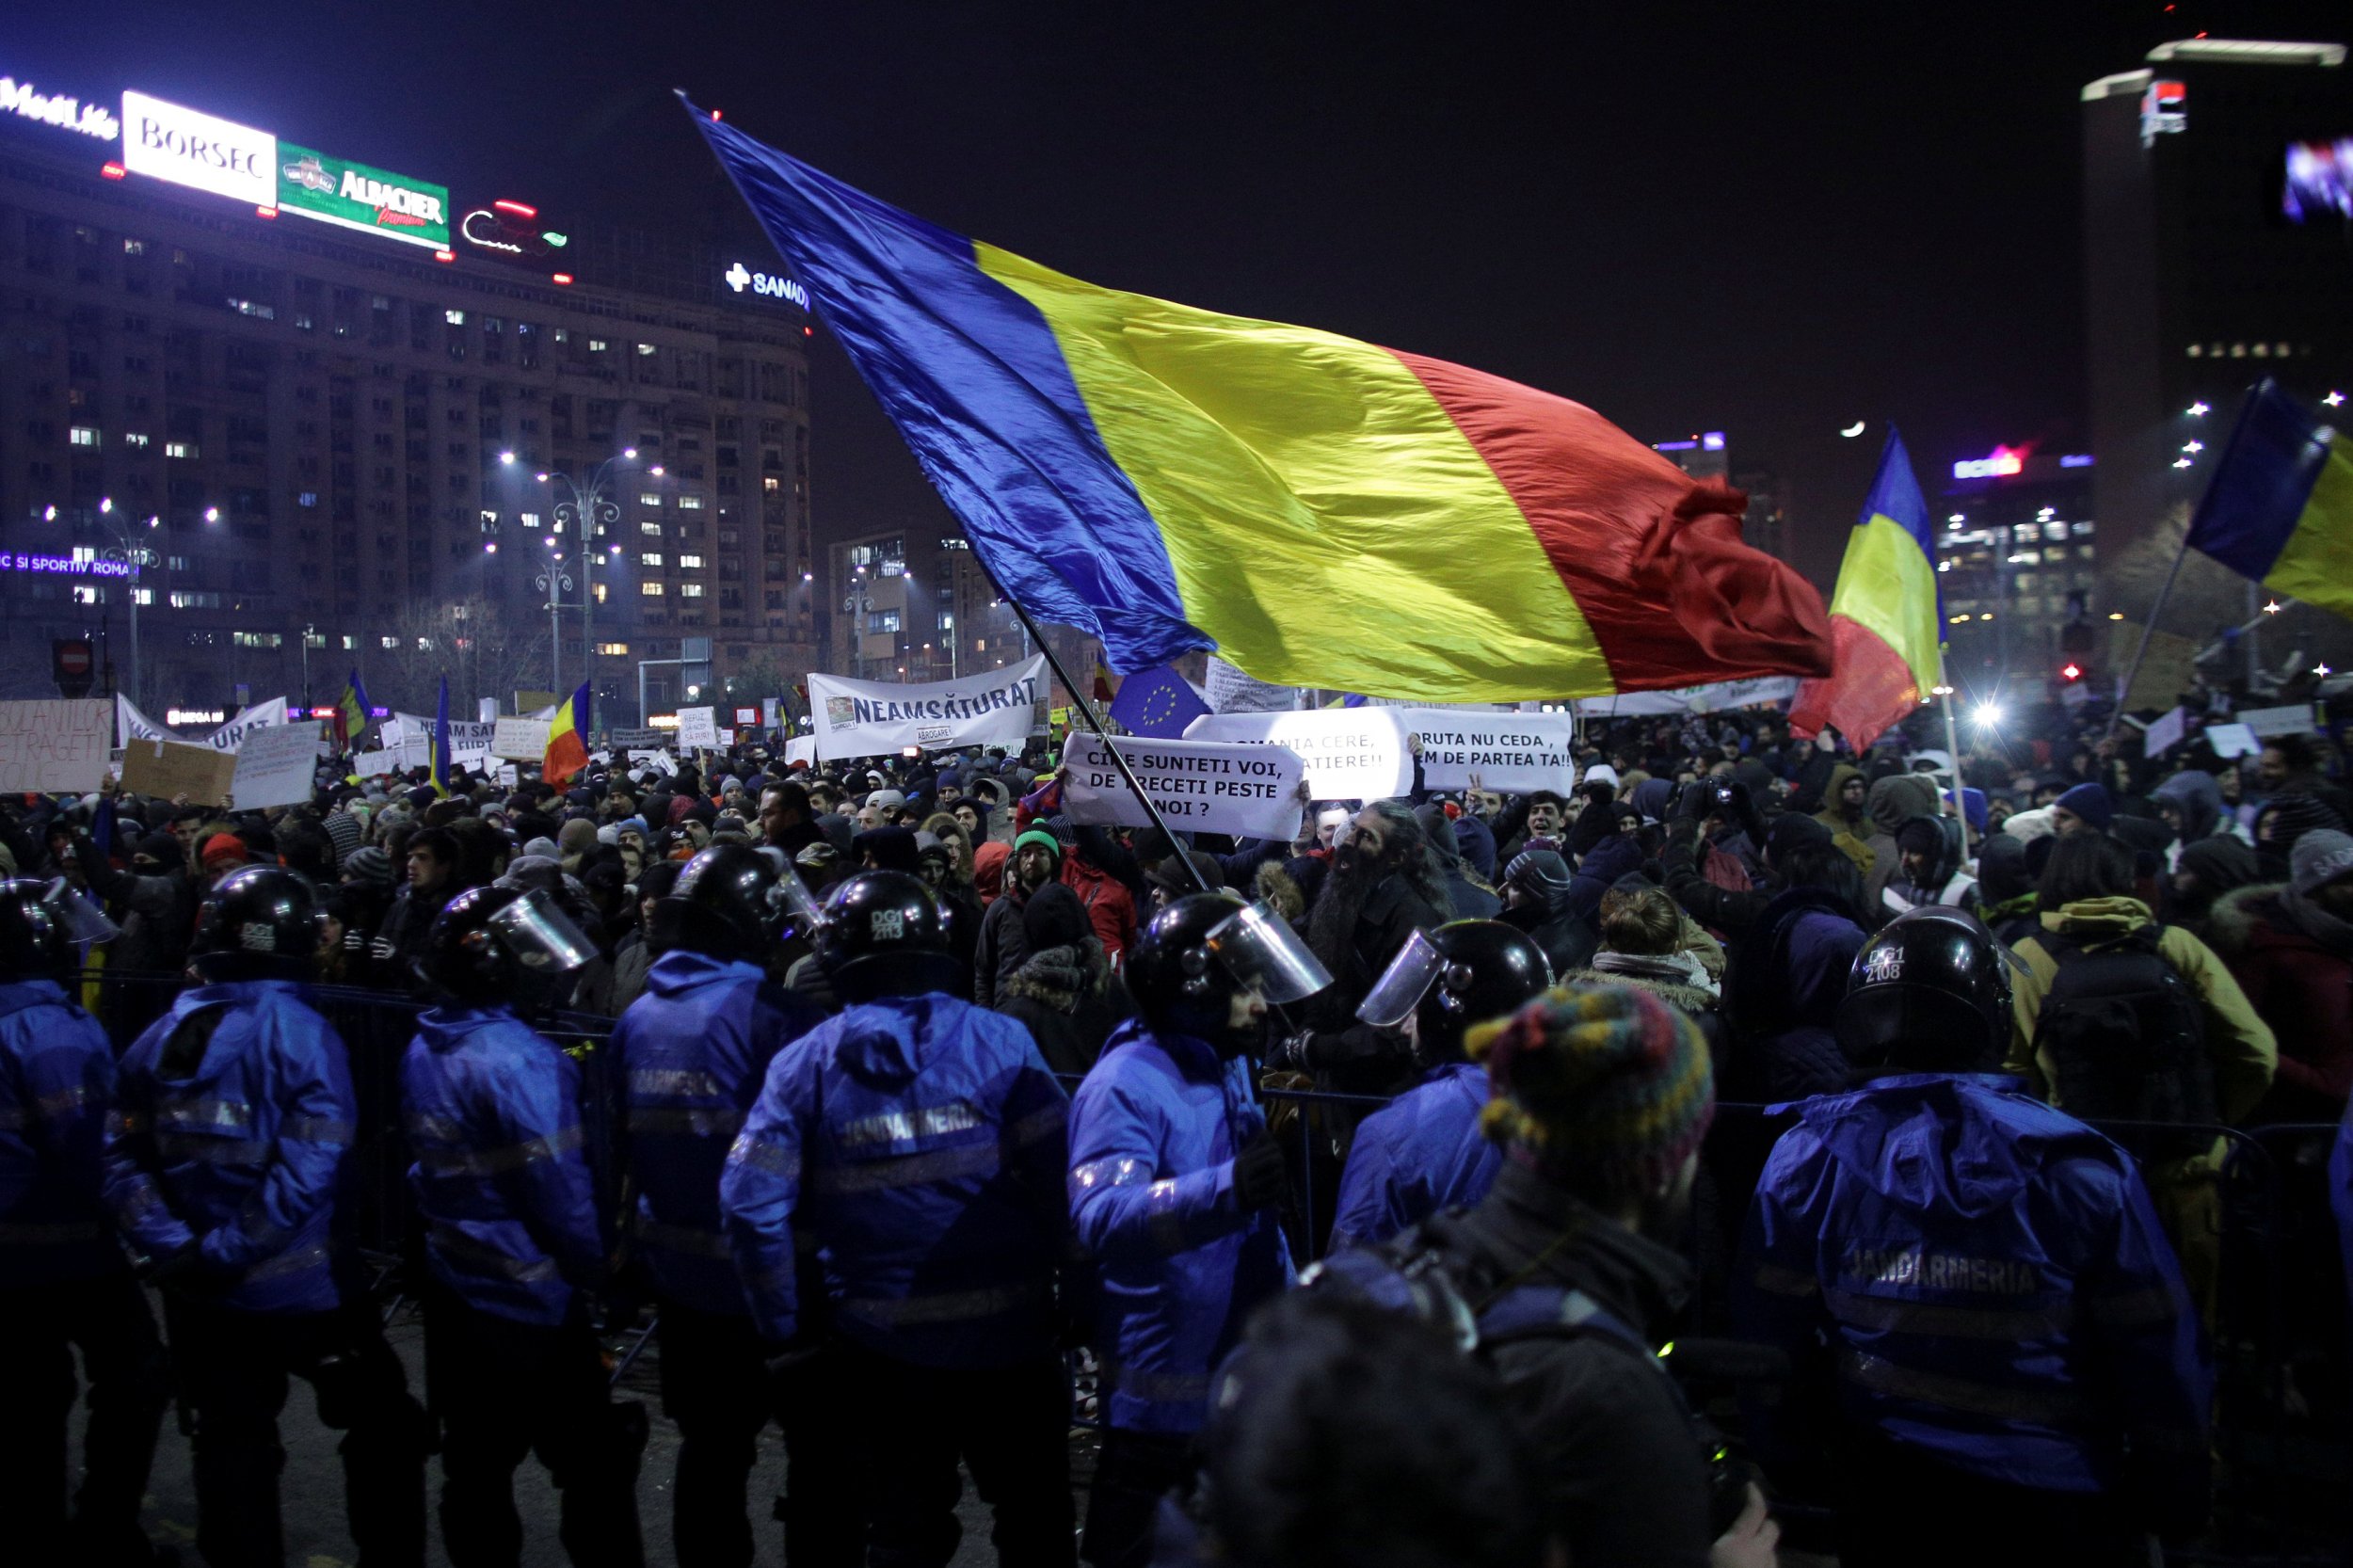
{"points": [[351, 713], [2280, 508], [1316, 510], [1885, 618], [440, 743], [567, 740]]}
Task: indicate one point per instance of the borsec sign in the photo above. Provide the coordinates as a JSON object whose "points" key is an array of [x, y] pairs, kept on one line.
{"points": [[190, 147], [740, 277]]}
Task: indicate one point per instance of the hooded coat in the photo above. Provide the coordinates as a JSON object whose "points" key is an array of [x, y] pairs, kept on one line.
{"points": [[917, 1142], [1893, 801], [1422, 1153], [2294, 961], [1979, 1277]]}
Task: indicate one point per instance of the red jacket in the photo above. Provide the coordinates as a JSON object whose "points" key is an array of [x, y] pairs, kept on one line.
{"points": [[2303, 991], [1107, 901]]}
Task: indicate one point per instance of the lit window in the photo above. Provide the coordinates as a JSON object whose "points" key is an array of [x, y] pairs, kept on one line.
{"points": [[142, 596], [690, 503], [254, 308], [645, 348], [612, 651], [351, 642], [690, 590], [257, 639], [315, 639], [132, 437], [133, 247], [308, 498], [390, 642], [692, 562], [649, 558], [83, 435], [190, 601], [772, 485], [455, 318], [652, 530], [180, 449], [600, 588], [648, 497], [651, 590], [531, 519], [596, 346], [85, 596]]}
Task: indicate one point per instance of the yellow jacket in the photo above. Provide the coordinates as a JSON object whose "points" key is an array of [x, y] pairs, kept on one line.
{"points": [[2244, 1051]]}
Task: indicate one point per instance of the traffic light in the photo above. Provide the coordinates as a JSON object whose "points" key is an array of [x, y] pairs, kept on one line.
{"points": [[2070, 672]]}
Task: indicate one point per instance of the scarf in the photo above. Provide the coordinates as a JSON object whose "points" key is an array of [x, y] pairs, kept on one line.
{"points": [[1680, 969]]}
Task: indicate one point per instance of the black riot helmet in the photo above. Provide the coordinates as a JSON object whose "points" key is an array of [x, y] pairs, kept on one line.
{"points": [[503, 945], [1929, 994], [1195, 956], [882, 936], [732, 901], [34, 941], [1448, 979], [259, 923]]}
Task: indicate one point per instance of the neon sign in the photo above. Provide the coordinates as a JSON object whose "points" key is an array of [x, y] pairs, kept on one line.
{"points": [[56, 108], [510, 227], [2004, 463], [66, 566], [738, 278]]}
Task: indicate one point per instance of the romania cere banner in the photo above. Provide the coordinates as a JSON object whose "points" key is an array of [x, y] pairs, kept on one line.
{"points": [[1251, 791], [374, 200], [867, 718], [1350, 753]]}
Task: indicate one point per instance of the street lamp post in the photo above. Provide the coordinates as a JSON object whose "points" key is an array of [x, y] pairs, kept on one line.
{"points": [[135, 555], [556, 583], [588, 504]]}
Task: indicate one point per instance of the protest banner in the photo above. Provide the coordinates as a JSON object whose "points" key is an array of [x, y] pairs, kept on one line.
{"points": [[136, 726], [57, 744], [2165, 733], [801, 748], [367, 765], [471, 742], [276, 766], [1227, 690], [510, 776], [1713, 697], [519, 740], [660, 760], [1350, 753], [642, 739], [171, 769], [697, 729], [2232, 740], [1251, 791], [2296, 718], [867, 718], [1511, 752]]}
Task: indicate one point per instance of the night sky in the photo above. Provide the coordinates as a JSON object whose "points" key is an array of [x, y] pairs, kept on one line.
{"points": [[1768, 220]]}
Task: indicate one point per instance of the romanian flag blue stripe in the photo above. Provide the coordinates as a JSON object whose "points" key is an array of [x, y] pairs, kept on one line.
{"points": [[2280, 507]]}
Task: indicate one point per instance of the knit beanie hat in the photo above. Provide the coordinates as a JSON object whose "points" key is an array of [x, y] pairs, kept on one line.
{"points": [[2090, 802], [222, 851], [1042, 840], [1597, 1086], [161, 848], [2319, 859], [370, 866]]}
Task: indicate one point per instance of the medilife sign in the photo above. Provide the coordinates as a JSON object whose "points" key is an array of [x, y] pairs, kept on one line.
{"points": [[56, 108], [188, 147], [374, 200]]}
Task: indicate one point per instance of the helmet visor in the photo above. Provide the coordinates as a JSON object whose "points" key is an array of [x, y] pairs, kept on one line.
{"points": [[1403, 984], [540, 936], [1264, 954], [790, 900], [77, 916]]}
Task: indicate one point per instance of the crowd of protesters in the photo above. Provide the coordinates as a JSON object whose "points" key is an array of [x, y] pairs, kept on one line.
{"points": [[928, 1098]]}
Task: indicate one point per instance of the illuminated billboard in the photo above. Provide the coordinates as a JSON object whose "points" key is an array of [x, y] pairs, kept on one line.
{"points": [[188, 147], [374, 200], [56, 108]]}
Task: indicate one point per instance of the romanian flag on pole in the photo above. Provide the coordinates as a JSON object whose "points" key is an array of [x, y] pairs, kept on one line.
{"points": [[568, 739], [441, 743], [2280, 508], [1316, 510], [1885, 616], [351, 713]]}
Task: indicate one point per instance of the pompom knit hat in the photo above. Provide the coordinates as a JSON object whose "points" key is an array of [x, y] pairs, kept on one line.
{"points": [[1607, 1082]]}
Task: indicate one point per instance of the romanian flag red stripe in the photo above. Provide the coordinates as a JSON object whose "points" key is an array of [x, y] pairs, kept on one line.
{"points": [[568, 739]]}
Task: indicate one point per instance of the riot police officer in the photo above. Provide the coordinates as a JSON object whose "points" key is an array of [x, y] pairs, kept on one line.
{"points": [[1992, 1340], [691, 1055], [63, 1282], [1424, 1151], [509, 1210], [919, 1142], [235, 1115], [1174, 1183]]}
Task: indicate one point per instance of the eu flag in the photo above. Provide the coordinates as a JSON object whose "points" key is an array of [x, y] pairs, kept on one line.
{"points": [[1158, 703]]}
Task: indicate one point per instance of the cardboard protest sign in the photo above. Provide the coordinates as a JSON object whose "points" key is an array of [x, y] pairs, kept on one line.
{"points": [[1251, 791], [519, 740], [801, 748], [2232, 740], [697, 729], [1511, 752], [868, 718], [277, 766], [1350, 753], [56, 744], [2166, 733], [2296, 718], [170, 768], [640, 758]]}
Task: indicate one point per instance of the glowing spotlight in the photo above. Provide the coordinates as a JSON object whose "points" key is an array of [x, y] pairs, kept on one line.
{"points": [[507, 458], [1988, 714], [2322, 670], [1851, 431], [2199, 410], [2335, 399], [2272, 608]]}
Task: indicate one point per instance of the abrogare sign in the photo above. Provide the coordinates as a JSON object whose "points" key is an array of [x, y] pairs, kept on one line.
{"points": [[190, 147]]}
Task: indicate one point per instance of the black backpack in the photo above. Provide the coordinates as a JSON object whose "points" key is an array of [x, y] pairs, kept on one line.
{"points": [[2125, 1036]]}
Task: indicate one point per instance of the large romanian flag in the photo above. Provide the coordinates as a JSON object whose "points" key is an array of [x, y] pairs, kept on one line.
{"points": [[1885, 616], [2280, 508], [568, 739], [1320, 511]]}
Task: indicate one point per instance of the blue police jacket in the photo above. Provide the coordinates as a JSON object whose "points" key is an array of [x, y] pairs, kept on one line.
{"points": [[56, 1084], [2340, 1196], [232, 1143], [692, 1054], [921, 1141], [501, 1179], [1422, 1153], [1154, 1131], [1990, 1283]]}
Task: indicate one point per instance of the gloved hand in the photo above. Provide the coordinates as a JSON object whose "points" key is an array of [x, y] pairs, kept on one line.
{"points": [[1291, 1053], [1698, 800], [381, 950], [1259, 1179]]}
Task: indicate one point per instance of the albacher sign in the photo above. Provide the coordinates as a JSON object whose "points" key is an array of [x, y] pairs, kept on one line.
{"points": [[56, 108], [375, 201], [188, 147]]}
